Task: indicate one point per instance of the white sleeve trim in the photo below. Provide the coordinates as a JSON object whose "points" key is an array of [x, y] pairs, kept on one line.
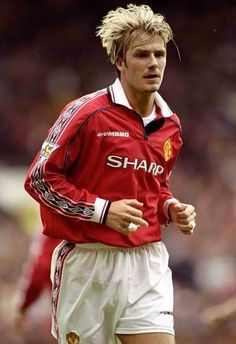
{"points": [[166, 205], [100, 208]]}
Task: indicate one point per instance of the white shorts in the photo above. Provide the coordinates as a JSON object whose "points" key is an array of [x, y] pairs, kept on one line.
{"points": [[100, 291]]}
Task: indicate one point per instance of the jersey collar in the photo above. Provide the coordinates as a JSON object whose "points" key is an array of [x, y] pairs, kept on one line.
{"points": [[119, 97]]}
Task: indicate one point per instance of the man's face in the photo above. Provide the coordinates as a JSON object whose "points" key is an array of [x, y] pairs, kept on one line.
{"points": [[143, 68]]}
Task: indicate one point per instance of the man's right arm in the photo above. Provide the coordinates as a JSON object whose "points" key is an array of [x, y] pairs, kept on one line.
{"points": [[123, 212], [46, 179]]}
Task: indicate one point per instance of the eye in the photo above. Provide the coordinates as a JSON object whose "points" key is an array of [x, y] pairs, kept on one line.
{"points": [[159, 54], [142, 54]]}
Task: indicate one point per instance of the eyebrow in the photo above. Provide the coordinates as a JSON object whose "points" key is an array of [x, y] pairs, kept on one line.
{"points": [[140, 50]]}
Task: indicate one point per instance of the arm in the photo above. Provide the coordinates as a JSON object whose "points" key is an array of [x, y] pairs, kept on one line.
{"points": [[35, 277], [123, 212], [183, 216], [36, 274], [172, 210], [216, 315], [47, 180], [169, 208]]}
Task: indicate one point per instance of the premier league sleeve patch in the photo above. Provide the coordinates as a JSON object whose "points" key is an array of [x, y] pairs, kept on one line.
{"points": [[47, 149]]}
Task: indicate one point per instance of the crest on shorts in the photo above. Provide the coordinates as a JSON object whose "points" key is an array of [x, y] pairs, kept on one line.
{"points": [[167, 149], [72, 338]]}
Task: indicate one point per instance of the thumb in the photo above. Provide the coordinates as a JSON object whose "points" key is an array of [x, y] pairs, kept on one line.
{"points": [[178, 207]]}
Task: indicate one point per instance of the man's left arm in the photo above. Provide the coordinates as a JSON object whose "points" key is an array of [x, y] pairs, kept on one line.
{"points": [[171, 209], [182, 215]]}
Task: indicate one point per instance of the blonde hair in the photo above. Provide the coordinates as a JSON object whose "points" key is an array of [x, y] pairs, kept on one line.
{"points": [[120, 27]]}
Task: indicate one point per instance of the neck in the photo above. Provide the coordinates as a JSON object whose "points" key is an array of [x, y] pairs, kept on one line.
{"points": [[142, 103]]}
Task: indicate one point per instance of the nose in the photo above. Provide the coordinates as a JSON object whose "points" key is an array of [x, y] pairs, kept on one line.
{"points": [[153, 63]]}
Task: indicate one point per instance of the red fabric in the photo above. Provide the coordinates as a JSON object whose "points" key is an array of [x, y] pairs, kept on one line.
{"points": [[92, 159], [36, 274]]}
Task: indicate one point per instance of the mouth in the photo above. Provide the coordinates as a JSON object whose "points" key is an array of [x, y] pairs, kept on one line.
{"points": [[152, 76]]}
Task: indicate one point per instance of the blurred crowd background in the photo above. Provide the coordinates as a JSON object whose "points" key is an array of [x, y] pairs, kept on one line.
{"points": [[49, 55]]}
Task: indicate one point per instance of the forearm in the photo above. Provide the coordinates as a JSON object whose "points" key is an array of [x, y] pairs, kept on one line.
{"points": [[228, 309], [50, 187]]}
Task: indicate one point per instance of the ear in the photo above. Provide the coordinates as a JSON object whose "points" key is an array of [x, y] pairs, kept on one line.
{"points": [[119, 63]]}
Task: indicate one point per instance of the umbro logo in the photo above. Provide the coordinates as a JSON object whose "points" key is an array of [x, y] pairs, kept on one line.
{"points": [[166, 313], [113, 133]]}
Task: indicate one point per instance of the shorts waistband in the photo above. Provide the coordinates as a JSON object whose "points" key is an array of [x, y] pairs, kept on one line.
{"points": [[100, 246]]}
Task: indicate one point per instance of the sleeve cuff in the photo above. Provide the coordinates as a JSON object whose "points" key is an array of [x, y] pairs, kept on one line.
{"points": [[101, 206], [166, 206]]}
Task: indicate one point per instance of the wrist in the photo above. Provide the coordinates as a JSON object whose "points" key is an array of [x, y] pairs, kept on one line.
{"points": [[106, 213], [167, 207]]}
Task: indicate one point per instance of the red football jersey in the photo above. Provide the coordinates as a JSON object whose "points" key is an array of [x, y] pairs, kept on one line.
{"points": [[99, 151]]}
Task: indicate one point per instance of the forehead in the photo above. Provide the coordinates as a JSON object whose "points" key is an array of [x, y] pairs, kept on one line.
{"points": [[145, 41]]}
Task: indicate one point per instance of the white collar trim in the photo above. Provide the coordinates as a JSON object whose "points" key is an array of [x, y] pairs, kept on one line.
{"points": [[119, 97]]}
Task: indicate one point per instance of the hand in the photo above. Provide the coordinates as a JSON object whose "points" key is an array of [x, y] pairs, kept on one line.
{"points": [[20, 320], [183, 216], [215, 316], [123, 212], [212, 318]]}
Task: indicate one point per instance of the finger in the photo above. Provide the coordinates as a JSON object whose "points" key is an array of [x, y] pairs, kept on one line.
{"points": [[186, 213], [137, 221], [187, 227], [133, 202], [128, 228], [186, 221], [135, 212], [187, 232], [178, 207]]}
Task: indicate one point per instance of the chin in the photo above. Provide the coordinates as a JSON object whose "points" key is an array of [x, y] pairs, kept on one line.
{"points": [[153, 88]]}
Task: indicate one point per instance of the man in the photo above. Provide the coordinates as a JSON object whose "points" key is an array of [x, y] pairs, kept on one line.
{"points": [[35, 277], [213, 317], [101, 179]]}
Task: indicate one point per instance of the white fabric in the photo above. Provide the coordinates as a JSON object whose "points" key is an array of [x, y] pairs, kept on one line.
{"points": [[166, 205], [150, 118], [100, 207], [106, 290], [119, 97]]}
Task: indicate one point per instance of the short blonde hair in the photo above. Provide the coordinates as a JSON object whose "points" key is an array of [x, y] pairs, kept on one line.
{"points": [[120, 27]]}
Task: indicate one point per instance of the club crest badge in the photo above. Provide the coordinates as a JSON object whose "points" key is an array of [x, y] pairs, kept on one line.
{"points": [[72, 338], [167, 148]]}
